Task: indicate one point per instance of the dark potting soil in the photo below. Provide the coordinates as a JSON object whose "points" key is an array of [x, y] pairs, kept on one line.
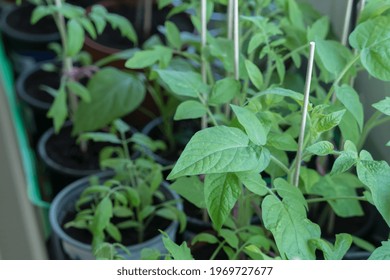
{"points": [[63, 149], [20, 20], [34, 83], [129, 236]]}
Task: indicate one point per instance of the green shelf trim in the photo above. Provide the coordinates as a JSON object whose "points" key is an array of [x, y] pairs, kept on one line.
{"points": [[29, 168]]}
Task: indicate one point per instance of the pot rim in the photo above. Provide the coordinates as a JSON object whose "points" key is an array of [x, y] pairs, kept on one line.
{"points": [[21, 91], [79, 185], [21, 35]]}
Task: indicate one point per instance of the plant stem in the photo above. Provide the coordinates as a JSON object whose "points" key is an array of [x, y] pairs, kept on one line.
{"points": [[280, 164], [304, 114], [340, 77], [373, 122], [214, 255], [325, 199]]}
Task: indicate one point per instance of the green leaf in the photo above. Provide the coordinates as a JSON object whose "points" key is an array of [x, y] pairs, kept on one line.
{"points": [[290, 228], [291, 195], [59, 110], [252, 125], [190, 109], [321, 148], [254, 74], [343, 185], [124, 26], [282, 141], [215, 150], [99, 137], [173, 35], [383, 106], [350, 99], [333, 55], [319, 29], [349, 128], [191, 189], [344, 162], [376, 176], [113, 95], [88, 26], [253, 182], [374, 8], [205, 237], [281, 92], [372, 39], [336, 252], [221, 192], [114, 232], [181, 252], [149, 254], [230, 237], [381, 253], [122, 212], [75, 38], [189, 84], [146, 58], [79, 90], [40, 12], [329, 121], [146, 212], [102, 217], [224, 91]]}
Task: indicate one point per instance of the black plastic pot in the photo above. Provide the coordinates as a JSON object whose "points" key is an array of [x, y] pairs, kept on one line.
{"points": [[75, 249], [182, 131], [36, 102], [63, 160], [26, 43]]}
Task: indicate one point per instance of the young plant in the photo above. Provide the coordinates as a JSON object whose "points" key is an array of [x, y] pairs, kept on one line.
{"points": [[73, 99], [132, 199]]}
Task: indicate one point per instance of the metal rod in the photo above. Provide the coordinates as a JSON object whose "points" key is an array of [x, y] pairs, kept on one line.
{"points": [[236, 41]]}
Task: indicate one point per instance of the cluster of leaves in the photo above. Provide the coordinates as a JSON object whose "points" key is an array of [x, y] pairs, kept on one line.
{"points": [[237, 152], [131, 199], [74, 98]]}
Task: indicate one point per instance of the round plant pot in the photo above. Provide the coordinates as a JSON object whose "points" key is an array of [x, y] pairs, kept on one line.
{"points": [[111, 40], [182, 131], [74, 249], [26, 43], [63, 160], [36, 102]]}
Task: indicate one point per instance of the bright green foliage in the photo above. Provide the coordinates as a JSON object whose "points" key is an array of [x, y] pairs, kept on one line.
{"points": [[146, 58], [253, 182], [376, 176], [59, 111], [224, 91], [383, 106], [173, 35], [188, 84], [190, 109], [252, 125], [221, 193], [113, 94], [177, 252], [381, 253], [343, 185], [216, 150], [321, 148], [336, 251], [254, 74], [350, 99], [190, 188], [372, 38]]}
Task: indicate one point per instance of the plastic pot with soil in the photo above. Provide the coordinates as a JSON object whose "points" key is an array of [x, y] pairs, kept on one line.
{"points": [[26, 43], [64, 160], [76, 243], [36, 101], [145, 18]]}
